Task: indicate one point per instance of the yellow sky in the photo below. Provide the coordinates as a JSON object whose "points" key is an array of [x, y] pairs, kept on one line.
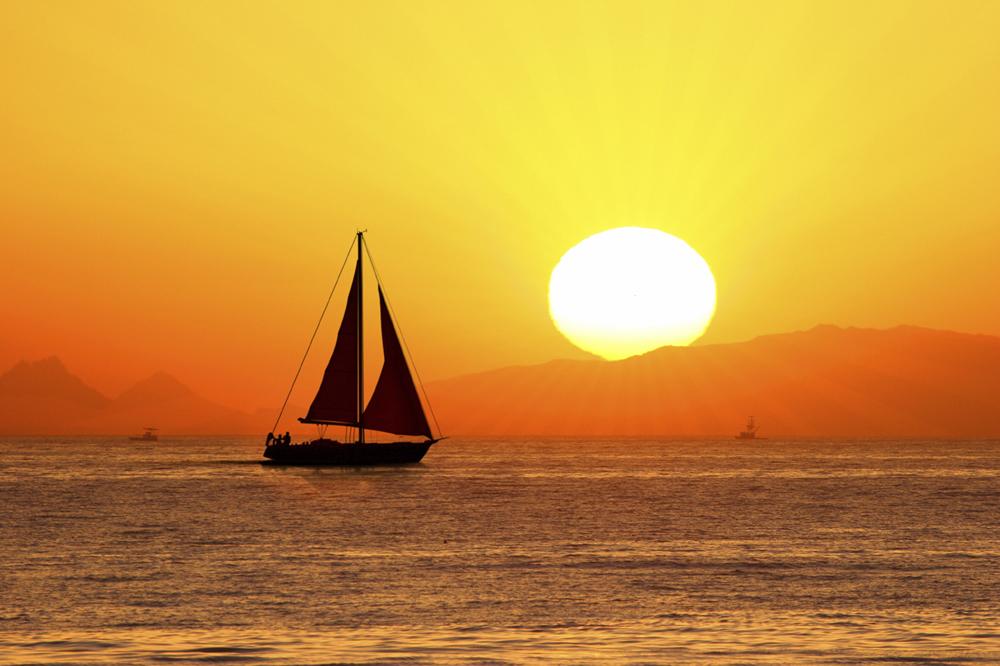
{"points": [[180, 181]]}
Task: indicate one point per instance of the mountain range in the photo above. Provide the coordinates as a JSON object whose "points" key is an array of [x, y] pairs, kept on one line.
{"points": [[44, 398], [824, 382]]}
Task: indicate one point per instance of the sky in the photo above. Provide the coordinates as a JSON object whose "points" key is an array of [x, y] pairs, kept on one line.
{"points": [[180, 181]]}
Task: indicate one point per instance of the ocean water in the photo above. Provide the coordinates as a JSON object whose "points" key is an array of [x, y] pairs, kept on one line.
{"points": [[674, 552]]}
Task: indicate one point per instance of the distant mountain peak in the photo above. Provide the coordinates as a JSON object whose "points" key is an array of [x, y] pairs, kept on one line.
{"points": [[158, 386], [30, 386], [43, 397], [50, 364], [47, 375]]}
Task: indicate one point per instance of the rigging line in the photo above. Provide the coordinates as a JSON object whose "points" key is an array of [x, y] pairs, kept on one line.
{"points": [[313, 337], [378, 278]]}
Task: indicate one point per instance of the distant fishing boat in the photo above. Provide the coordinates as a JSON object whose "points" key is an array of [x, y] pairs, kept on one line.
{"points": [[394, 407], [148, 435], [750, 430]]}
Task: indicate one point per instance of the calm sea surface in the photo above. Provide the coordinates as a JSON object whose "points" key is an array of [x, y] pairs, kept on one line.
{"points": [[188, 551]]}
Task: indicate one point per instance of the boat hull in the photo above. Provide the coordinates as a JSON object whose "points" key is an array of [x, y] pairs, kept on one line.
{"points": [[329, 452]]}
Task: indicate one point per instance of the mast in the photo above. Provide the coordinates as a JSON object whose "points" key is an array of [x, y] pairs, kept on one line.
{"points": [[361, 346]]}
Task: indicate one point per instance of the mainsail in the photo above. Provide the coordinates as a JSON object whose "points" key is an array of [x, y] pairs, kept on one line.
{"points": [[336, 402], [395, 405]]}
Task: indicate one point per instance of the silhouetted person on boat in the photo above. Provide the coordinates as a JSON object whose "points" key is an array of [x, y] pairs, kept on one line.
{"points": [[287, 439], [270, 438]]}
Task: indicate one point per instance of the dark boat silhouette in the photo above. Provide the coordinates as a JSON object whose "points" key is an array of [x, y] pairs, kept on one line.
{"points": [[750, 432], [394, 407], [148, 435]]}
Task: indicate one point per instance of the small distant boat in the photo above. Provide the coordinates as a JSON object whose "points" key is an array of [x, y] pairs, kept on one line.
{"points": [[394, 407], [750, 431], [149, 435]]}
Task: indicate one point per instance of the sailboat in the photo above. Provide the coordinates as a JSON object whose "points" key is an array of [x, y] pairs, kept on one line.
{"points": [[394, 406]]}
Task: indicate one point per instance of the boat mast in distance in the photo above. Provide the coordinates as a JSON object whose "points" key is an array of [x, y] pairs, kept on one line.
{"points": [[750, 431]]}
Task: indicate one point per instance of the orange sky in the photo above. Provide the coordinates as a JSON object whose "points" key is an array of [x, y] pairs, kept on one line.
{"points": [[179, 183]]}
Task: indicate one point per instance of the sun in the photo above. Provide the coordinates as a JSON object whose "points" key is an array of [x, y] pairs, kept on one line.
{"points": [[629, 290]]}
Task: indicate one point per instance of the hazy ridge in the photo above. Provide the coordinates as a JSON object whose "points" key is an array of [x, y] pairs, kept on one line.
{"points": [[827, 381], [44, 398]]}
